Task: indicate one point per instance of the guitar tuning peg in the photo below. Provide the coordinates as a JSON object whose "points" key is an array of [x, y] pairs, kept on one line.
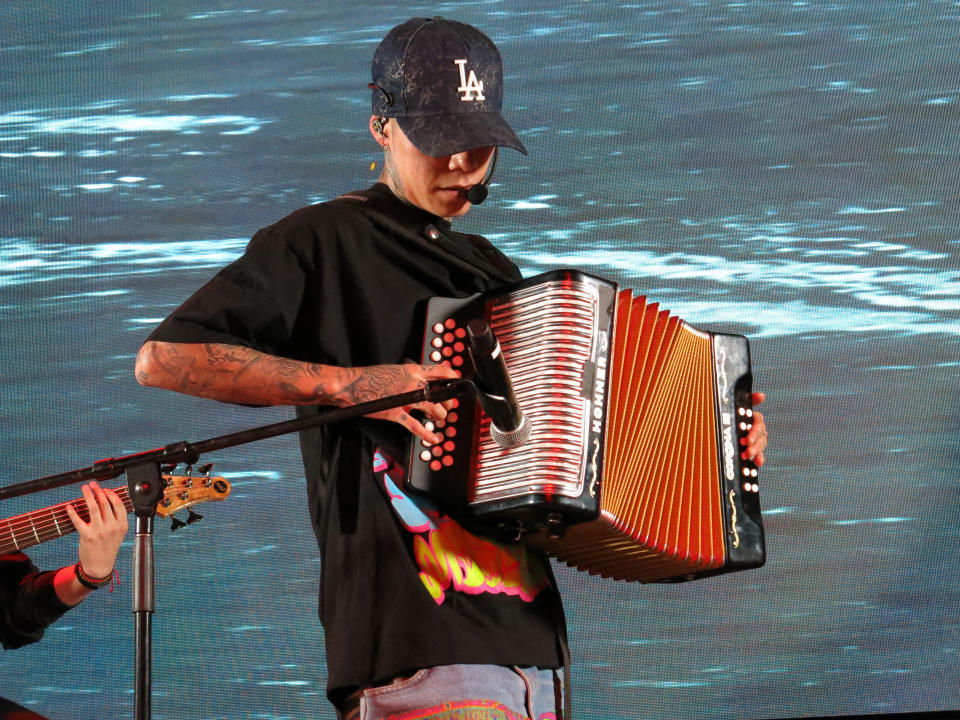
{"points": [[193, 517], [189, 470], [205, 469], [176, 523]]}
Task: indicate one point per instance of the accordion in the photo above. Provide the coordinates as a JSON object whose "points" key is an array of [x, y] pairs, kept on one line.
{"points": [[632, 468]]}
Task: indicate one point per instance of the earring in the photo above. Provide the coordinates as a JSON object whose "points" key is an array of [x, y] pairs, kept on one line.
{"points": [[378, 124]]}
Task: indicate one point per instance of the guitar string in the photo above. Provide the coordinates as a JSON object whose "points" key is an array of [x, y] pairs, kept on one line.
{"points": [[51, 520]]}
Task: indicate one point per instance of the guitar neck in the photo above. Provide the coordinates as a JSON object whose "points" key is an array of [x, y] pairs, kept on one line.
{"points": [[32, 528]]}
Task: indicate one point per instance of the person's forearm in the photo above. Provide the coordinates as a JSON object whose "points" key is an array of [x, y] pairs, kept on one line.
{"points": [[68, 588], [231, 373]]}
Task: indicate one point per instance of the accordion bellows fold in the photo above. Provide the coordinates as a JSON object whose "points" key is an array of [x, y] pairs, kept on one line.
{"points": [[660, 504]]}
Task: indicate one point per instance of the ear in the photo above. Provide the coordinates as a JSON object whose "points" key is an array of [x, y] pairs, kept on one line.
{"points": [[377, 127]]}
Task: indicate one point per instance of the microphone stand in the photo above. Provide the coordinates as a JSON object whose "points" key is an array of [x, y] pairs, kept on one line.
{"points": [[145, 485]]}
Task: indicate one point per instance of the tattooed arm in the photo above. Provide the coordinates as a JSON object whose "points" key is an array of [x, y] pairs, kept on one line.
{"points": [[231, 373]]}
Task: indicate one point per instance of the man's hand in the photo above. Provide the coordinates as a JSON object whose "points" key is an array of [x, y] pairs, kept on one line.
{"points": [[377, 381], [100, 538], [756, 440]]}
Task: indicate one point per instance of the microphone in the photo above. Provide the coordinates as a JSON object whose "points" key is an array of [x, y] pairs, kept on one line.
{"points": [[508, 426], [476, 194]]}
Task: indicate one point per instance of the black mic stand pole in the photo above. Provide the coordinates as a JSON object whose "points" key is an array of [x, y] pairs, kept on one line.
{"points": [[144, 488], [146, 485]]}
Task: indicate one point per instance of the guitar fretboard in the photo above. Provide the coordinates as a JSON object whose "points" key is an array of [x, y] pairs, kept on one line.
{"points": [[32, 528]]}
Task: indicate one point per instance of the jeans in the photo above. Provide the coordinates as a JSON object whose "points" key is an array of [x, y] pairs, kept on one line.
{"points": [[462, 692]]}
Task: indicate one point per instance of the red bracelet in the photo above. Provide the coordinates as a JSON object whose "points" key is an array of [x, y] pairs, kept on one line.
{"points": [[91, 582]]}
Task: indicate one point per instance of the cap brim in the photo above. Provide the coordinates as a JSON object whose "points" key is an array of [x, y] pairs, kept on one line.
{"points": [[441, 135]]}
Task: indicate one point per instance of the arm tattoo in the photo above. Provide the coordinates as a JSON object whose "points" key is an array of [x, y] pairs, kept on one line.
{"points": [[371, 383], [233, 373]]}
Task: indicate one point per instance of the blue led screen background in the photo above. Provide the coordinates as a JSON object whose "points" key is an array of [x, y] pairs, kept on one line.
{"points": [[785, 170]]}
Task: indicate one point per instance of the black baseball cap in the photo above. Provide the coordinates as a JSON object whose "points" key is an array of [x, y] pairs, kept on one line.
{"points": [[442, 81]]}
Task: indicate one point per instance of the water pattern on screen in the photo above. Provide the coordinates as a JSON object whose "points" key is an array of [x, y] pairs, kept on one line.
{"points": [[786, 170]]}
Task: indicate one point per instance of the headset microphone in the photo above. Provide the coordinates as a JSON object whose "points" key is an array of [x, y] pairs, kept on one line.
{"points": [[476, 194]]}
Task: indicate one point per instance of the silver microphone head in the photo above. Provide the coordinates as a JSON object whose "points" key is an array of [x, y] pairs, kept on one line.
{"points": [[513, 438]]}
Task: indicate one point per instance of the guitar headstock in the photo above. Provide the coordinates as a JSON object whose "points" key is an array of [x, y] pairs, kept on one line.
{"points": [[184, 491]]}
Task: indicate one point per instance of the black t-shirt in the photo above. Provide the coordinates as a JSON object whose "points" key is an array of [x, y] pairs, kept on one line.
{"points": [[28, 602], [403, 586]]}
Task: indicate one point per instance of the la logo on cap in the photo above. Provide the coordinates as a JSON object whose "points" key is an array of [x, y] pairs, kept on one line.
{"points": [[471, 88]]}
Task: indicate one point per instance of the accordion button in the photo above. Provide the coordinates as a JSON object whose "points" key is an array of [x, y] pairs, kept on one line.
{"points": [[435, 356], [438, 328], [437, 342], [457, 361], [435, 465], [425, 455], [447, 460]]}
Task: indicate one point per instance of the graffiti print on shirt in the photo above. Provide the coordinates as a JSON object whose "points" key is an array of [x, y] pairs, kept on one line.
{"points": [[450, 558]]}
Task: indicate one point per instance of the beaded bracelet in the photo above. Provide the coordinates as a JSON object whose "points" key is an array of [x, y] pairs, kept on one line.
{"points": [[91, 582]]}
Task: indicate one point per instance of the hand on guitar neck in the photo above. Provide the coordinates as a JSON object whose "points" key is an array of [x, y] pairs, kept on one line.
{"points": [[100, 519], [100, 538]]}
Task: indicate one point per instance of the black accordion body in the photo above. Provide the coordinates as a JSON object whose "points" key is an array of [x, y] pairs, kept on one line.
{"points": [[632, 467]]}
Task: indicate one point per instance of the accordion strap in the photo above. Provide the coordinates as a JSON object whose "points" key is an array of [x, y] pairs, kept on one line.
{"points": [[563, 645]]}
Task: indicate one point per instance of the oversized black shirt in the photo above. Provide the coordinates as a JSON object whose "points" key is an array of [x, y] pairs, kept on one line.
{"points": [[28, 602], [403, 586]]}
